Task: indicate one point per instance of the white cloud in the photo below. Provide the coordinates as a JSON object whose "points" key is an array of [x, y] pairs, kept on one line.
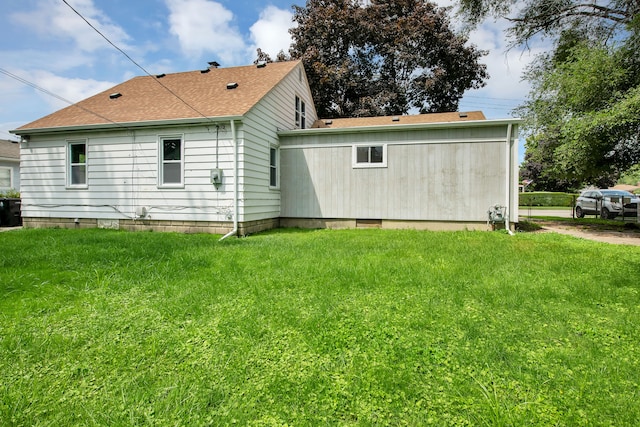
{"points": [[271, 32], [204, 26], [71, 89], [54, 18]]}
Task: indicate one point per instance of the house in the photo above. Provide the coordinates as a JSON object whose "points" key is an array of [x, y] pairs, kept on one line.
{"points": [[9, 165], [241, 149]]}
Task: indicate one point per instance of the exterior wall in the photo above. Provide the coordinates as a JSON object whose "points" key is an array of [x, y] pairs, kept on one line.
{"points": [[123, 176], [211, 227], [384, 224], [443, 175], [15, 174], [274, 112]]}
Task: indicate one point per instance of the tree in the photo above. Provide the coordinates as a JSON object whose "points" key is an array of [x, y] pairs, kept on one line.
{"points": [[550, 18], [584, 105], [586, 98], [383, 58]]}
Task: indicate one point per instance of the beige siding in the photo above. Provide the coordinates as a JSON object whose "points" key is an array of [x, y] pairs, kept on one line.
{"points": [[123, 176], [441, 175]]}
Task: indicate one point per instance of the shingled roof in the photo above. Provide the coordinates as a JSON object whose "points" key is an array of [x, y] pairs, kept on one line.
{"points": [[142, 99], [399, 120], [9, 150]]}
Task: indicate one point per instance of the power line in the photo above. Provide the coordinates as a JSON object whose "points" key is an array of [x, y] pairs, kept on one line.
{"points": [[48, 92], [134, 62]]}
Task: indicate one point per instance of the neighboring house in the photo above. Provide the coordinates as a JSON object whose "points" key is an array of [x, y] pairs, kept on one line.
{"points": [[9, 165], [238, 150]]}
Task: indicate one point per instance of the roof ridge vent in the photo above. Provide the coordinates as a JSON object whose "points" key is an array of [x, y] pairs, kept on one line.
{"points": [[115, 95], [261, 64], [205, 71], [232, 85], [159, 76]]}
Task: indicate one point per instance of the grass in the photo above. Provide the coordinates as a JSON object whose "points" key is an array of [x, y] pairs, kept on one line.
{"points": [[358, 327]]}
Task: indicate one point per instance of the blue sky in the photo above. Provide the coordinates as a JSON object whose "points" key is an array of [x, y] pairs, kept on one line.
{"points": [[46, 43]]}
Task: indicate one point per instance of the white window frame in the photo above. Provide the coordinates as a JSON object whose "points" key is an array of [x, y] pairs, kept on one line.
{"points": [[70, 165], [10, 170], [274, 168], [162, 162], [300, 113], [368, 164]]}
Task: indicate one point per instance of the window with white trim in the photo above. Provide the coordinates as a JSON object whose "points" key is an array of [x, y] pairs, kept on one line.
{"points": [[273, 167], [77, 164], [6, 174], [301, 113], [171, 164], [370, 156]]}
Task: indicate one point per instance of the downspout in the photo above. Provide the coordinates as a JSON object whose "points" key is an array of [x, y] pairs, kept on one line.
{"points": [[235, 182], [508, 182]]}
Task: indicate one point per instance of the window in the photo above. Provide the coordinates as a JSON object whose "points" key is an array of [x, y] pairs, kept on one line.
{"points": [[301, 113], [273, 167], [77, 164], [5, 178], [370, 156], [171, 162]]}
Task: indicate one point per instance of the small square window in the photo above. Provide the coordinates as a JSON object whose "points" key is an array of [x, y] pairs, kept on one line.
{"points": [[369, 156]]}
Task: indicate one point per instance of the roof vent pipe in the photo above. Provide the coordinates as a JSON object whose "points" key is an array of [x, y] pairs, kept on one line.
{"points": [[213, 64]]}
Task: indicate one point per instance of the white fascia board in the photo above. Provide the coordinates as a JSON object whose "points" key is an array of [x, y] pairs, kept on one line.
{"points": [[128, 125], [402, 127]]}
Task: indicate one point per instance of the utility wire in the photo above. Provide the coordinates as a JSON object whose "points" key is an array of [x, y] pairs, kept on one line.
{"points": [[134, 62], [48, 92]]}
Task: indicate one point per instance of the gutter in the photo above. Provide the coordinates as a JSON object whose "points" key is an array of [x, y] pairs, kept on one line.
{"points": [[124, 125], [235, 183], [400, 127]]}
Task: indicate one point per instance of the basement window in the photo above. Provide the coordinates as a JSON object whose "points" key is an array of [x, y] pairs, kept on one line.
{"points": [[171, 165], [77, 164], [369, 156]]}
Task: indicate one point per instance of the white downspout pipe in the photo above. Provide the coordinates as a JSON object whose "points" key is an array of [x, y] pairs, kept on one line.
{"points": [[508, 182], [235, 183]]}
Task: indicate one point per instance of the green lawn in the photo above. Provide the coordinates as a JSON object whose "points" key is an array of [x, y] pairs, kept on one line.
{"points": [[358, 327]]}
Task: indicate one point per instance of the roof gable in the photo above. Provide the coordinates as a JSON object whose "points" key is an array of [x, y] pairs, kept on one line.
{"points": [[142, 99]]}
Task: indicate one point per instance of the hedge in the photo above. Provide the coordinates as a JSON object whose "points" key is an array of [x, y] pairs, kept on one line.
{"points": [[547, 198]]}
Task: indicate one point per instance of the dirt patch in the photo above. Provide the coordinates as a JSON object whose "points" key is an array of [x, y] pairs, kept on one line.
{"points": [[613, 235]]}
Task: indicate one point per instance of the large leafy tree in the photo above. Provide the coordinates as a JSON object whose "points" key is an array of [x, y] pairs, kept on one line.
{"points": [[584, 106], [383, 57]]}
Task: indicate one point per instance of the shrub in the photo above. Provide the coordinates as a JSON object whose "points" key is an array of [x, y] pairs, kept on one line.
{"points": [[546, 198], [10, 194]]}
